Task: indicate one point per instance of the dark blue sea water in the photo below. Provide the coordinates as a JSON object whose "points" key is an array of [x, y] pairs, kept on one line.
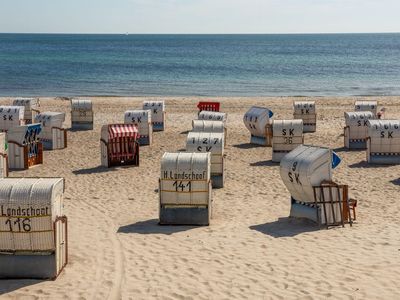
{"points": [[208, 65]]}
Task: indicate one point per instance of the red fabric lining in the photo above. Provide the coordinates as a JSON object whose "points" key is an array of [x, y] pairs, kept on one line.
{"points": [[208, 106], [123, 130]]}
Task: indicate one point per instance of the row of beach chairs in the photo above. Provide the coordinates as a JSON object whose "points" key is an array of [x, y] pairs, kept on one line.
{"points": [[33, 226], [187, 178]]}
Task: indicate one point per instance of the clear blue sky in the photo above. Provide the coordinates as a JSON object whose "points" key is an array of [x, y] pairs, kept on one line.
{"points": [[199, 16]]}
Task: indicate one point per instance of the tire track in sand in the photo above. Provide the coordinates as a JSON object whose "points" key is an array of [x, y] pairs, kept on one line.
{"points": [[115, 292]]}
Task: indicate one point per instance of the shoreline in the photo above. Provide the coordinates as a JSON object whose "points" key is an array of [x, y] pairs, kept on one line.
{"points": [[67, 96]]}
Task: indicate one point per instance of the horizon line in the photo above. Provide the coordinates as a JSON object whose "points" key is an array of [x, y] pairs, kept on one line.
{"points": [[172, 33]]}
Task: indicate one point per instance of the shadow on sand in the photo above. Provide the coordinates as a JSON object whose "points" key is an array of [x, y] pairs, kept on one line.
{"points": [[10, 285], [264, 163], [342, 149], [396, 181], [152, 227], [78, 130], [94, 170], [248, 146], [285, 227], [365, 165]]}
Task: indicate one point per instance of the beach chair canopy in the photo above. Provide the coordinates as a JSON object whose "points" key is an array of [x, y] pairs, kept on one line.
{"points": [[366, 105], [11, 116], [208, 126], [113, 131], [28, 103], [212, 115], [304, 107], [305, 167], [22, 134], [50, 119], [38, 198], [137, 116], [81, 105], [256, 119], [123, 130], [12, 112], [157, 110], [287, 128], [358, 118]]}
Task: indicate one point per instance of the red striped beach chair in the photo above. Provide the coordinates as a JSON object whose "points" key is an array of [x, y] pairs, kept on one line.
{"points": [[119, 145]]}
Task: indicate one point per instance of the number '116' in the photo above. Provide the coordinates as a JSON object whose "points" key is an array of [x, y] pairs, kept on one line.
{"points": [[19, 225]]}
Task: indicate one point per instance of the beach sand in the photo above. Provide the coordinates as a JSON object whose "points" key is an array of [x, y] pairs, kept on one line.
{"points": [[250, 250]]}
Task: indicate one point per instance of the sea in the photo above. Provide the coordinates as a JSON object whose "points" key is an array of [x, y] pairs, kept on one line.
{"points": [[199, 65]]}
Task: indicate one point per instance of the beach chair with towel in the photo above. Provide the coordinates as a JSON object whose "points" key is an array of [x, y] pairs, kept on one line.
{"points": [[53, 134], [24, 146]]}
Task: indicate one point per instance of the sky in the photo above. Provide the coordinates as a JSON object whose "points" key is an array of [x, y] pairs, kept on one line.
{"points": [[199, 16]]}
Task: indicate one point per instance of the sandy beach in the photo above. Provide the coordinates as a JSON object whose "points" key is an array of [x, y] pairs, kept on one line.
{"points": [[251, 250]]}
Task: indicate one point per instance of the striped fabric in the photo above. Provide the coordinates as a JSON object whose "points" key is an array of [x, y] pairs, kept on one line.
{"points": [[123, 130], [209, 106]]}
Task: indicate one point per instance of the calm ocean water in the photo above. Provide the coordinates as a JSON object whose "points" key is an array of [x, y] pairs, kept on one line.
{"points": [[199, 65]]}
